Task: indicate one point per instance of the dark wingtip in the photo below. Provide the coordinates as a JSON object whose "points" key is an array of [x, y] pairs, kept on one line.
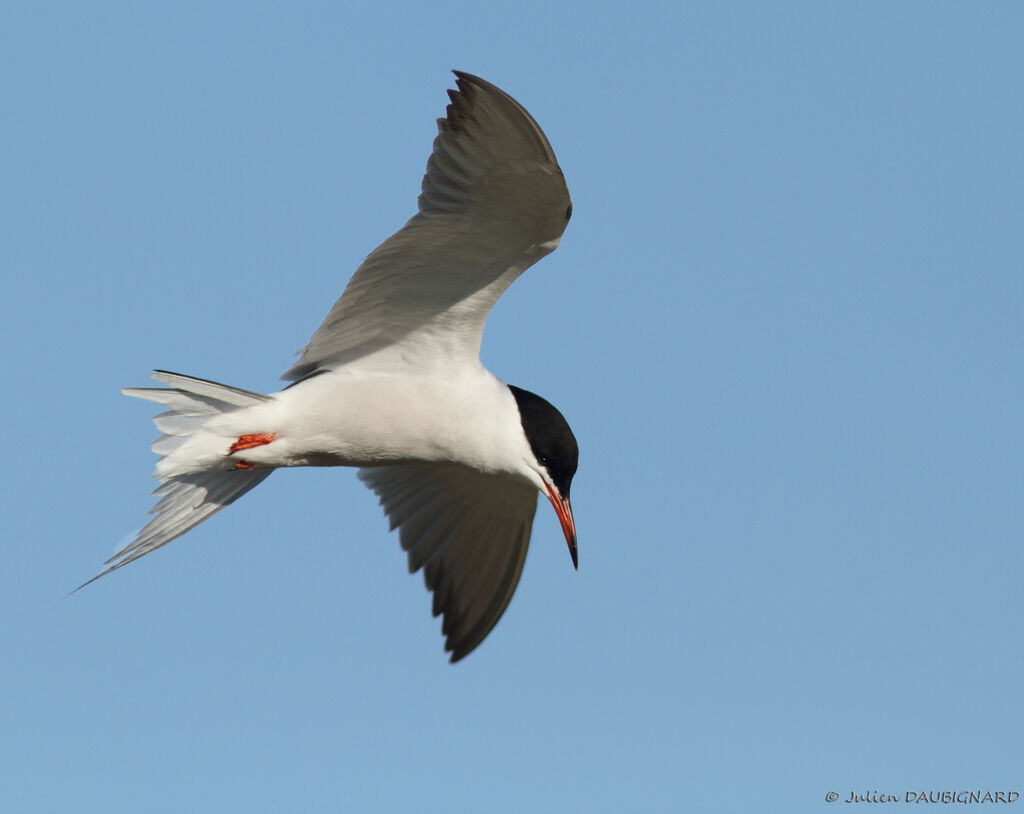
{"points": [[458, 653]]}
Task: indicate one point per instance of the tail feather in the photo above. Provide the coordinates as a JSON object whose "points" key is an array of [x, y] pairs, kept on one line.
{"points": [[192, 403], [190, 385], [187, 500]]}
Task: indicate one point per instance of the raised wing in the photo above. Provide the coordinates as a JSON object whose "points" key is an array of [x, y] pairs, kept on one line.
{"points": [[468, 532], [493, 202]]}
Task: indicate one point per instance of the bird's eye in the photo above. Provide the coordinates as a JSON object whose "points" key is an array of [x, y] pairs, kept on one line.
{"points": [[568, 212]]}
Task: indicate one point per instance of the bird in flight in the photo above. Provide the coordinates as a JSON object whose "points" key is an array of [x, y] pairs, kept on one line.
{"points": [[391, 382]]}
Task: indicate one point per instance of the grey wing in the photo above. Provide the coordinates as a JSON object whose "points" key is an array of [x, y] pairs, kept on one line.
{"points": [[493, 202], [468, 532]]}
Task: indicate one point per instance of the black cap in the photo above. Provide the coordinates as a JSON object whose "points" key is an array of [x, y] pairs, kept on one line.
{"points": [[551, 440]]}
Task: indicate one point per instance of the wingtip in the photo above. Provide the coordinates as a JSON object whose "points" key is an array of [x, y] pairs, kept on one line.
{"points": [[87, 582], [465, 78], [457, 653]]}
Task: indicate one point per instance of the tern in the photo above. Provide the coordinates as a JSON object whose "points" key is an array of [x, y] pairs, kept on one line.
{"points": [[392, 383]]}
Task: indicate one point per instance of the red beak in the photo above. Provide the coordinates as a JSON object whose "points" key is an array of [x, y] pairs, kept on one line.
{"points": [[564, 512]]}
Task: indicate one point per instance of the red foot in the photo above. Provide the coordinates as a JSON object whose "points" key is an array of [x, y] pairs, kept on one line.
{"points": [[243, 465], [255, 439]]}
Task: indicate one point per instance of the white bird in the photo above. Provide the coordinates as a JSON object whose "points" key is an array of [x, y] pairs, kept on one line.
{"points": [[391, 382]]}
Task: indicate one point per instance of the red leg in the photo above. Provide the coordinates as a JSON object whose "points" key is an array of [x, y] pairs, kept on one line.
{"points": [[255, 439]]}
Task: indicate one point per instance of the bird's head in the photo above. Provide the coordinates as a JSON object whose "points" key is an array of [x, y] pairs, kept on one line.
{"points": [[555, 454]]}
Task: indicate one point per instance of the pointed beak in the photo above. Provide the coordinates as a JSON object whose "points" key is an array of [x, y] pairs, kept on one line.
{"points": [[564, 512]]}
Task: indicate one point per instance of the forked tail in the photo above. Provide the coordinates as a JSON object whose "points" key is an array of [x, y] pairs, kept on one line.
{"points": [[187, 500]]}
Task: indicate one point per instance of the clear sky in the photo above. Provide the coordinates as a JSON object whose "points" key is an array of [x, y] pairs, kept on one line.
{"points": [[786, 324]]}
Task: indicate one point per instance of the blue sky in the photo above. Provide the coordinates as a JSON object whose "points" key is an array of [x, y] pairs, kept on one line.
{"points": [[785, 323]]}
